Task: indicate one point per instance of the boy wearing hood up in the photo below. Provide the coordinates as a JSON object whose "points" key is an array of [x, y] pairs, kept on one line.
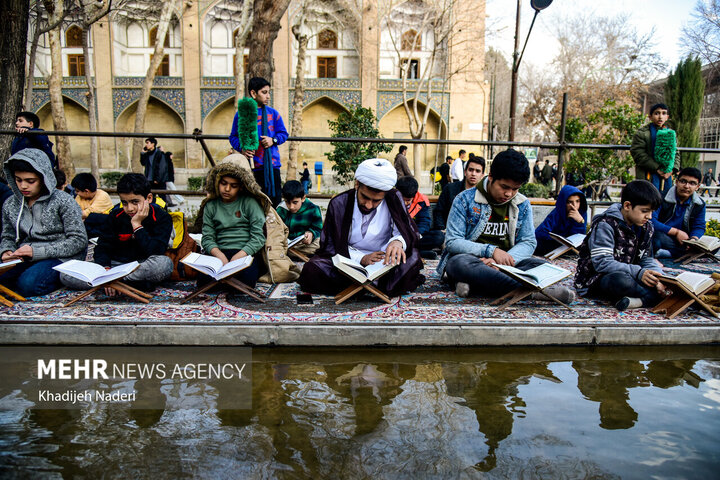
{"points": [[567, 218], [616, 257], [41, 225]]}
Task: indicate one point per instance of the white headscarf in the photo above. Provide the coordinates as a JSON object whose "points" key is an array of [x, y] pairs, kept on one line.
{"points": [[377, 173]]}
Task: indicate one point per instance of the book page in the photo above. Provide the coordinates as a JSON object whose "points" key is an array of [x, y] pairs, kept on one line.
{"points": [[211, 264], [696, 282], [576, 239], [295, 241], [376, 270], [85, 271]]}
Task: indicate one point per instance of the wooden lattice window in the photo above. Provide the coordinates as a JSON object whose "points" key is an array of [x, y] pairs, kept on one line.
{"points": [[327, 39], [414, 69], [153, 36], [164, 67], [408, 39], [327, 67], [73, 37], [76, 65]]}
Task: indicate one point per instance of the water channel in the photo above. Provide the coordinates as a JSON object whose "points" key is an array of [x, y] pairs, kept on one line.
{"points": [[528, 413]]}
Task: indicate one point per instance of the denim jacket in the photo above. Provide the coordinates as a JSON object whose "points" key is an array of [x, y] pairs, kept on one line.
{"points": [[470, 212]]}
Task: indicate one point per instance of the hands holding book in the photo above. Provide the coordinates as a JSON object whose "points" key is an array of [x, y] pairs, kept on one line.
{"points": [[24, 251], [394, 255], [651, 279]]}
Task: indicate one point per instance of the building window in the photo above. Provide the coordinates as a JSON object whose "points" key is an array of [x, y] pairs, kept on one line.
{"points": [[76, 65], [153, 36], [327, 67], [413, 72], [73, 37], [408, 41], [327, 39], [164, 68]]}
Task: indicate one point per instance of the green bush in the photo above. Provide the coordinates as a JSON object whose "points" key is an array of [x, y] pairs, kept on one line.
{"points": [[196, 183], [535, 190], [110, 179], [712, 228]]}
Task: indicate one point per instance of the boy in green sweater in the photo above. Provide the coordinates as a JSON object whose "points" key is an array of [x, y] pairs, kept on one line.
{"points": [[233, 222], [302, 217]]}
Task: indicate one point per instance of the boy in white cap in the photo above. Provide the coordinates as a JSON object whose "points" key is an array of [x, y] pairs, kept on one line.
{"points": [[369, 224]]}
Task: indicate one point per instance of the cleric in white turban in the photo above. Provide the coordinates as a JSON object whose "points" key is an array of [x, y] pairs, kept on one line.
{"points": [[368, 224], [377, 173]]}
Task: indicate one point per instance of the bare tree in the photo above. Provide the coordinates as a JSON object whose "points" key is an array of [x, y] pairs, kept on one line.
{"points": [[701, 37], [56, 12], [246, 15], [166, 13], [12, 65], [265, 26], [298, 101]]}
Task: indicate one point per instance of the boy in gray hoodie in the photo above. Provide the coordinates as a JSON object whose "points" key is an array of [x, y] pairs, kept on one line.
{"points": [[41, 225]]}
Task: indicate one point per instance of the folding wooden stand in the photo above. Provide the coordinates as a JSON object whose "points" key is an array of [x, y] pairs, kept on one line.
{"points": [[521, 293], [299, 255], [357, 287], [7, 292], [696, 253], [118, 286], [233, 282], [680, 299]]}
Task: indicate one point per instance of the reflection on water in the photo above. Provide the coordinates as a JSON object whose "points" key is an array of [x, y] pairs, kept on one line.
{"points": [[463, 413]]}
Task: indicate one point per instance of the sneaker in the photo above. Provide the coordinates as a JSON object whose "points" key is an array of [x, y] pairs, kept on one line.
{"points": [[564, 294], [628, 303], [462, 289], [662, 253]]}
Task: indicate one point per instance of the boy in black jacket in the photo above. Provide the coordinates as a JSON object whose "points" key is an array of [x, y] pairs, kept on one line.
{"points": [[137, 229]]}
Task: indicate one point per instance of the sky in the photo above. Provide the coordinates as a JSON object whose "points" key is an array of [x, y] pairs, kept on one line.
{"points": [[667, 16]]}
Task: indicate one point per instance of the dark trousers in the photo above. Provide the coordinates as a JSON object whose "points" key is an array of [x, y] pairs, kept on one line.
{"points": [[95, 224], [614, 286], [483, 280], [259, 174], [249, 276], [31, 279], [666, 242], [159, 186], [431, 240]]}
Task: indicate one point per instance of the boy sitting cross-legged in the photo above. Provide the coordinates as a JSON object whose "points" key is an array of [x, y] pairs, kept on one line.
{"points": [[41, 225], [301, 216], [137, 230], [616, 257]]}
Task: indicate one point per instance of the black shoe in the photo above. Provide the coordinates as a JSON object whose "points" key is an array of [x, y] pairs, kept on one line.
{"points": [[428, 254], [623, 304]]}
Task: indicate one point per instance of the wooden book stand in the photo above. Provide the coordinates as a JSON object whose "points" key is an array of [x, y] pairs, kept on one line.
{"points": [[4, 291], [301, 256], [234, 283], [118, 286], [680, 299], [696, 253], [357, 287], [521, 293]]}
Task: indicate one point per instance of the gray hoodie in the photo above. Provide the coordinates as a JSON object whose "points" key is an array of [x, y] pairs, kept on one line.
{"points": [[53, 226]]}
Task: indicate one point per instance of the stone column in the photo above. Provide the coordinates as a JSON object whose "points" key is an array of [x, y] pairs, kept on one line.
{"points": [[103, 62], [369, 53], [192, 74]]}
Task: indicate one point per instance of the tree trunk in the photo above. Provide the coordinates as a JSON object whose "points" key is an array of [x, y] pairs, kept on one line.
{"points": [[92, 117], [240, 39], [163, 24], [12, 66], [297, 106], [62, 144], [266, 24], [30, 78]]}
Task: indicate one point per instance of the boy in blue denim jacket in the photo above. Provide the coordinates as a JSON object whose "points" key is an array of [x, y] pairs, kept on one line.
{"points": [[493, 223]]}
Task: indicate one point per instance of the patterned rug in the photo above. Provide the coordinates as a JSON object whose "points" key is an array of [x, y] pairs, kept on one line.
{"points": [[432, 304]]}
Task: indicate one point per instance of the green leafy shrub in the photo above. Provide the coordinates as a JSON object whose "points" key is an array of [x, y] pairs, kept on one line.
{"points": [[712, 228], [196, 183], [535, 190], [110, 179]]}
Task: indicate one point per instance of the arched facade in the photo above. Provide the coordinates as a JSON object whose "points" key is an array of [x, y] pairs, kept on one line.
{"points": [[219, 122], [395, 125], [76, 118], [220, 24], [133, 45], [315, 124]]}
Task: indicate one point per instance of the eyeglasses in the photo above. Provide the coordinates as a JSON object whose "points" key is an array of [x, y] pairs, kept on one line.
{"points": [[692, 183]]}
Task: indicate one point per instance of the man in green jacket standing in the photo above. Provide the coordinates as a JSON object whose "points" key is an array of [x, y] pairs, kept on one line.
{"points": [[643, 150]]}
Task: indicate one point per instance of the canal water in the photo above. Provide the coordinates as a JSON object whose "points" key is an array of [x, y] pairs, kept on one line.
{"points": [[550, 413]]}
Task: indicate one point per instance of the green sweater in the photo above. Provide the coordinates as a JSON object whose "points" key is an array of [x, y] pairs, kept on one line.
{"points": [[236, 225]]}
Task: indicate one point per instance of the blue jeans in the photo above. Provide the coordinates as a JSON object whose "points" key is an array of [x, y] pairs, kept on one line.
{"points": [[666, 242], [31, 279], [657, 180], [306, 186], [615, 286], [484, 280]]}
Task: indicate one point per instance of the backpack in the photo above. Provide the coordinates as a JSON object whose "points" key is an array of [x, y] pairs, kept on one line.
{"points": [[182, 244]]}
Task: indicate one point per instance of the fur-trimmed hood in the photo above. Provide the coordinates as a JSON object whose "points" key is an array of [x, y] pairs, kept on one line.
{"points": [[236, 169]]}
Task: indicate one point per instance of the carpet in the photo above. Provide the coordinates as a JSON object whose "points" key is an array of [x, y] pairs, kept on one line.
{"points": [[432, 304]]}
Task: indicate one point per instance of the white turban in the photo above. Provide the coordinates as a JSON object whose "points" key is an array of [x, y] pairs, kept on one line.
{"points": [[377, 173]]}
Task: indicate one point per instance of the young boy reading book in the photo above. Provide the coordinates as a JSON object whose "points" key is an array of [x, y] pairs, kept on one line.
{"points": [[41, 225], [681, 215], [302, 217], [616, 257], [94, 203], [137, 230], [233, 222], [567, 218]]}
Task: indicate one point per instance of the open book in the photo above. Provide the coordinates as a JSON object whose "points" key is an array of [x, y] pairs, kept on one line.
{"points": [[6, 265], [696, 283], [214, 267], [566, 244], [705, 243], [356, 271], [95, 274], [537, 277], [295, 241]]}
